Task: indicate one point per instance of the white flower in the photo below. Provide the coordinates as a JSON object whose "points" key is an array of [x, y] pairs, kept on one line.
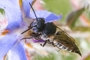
{"points": [[85, 4]]}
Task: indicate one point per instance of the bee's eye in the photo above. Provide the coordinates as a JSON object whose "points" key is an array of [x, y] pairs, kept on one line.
{"points": [[33, 24], [40, 24]]}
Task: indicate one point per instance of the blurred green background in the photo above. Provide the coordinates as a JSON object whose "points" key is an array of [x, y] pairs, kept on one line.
{"points": [[59, 7], [79, 31]]}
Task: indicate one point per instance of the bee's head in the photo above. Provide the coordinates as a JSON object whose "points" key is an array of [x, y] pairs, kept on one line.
{"points": [[40, 19], [38, 25]]}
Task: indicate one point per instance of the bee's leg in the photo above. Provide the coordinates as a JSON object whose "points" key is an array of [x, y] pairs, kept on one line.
{"points": [[52, 44], [29, 27], [26, 38], [44, 43]]}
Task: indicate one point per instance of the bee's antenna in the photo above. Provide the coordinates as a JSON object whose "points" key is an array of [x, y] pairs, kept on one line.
{"points": [[33, 11], [25, 31]]}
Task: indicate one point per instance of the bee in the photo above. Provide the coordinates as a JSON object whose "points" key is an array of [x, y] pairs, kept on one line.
{"points": [[51, 34]]}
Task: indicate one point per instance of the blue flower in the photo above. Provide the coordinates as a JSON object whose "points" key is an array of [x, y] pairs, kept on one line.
{"points": [[10, 42], [48, 16]]}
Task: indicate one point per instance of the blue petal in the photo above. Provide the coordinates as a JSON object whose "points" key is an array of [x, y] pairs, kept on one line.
{"points": [[6, 43], [45, 14], [13, 13], [52, 17], [26, 7], [1, 58], [17, 53]]}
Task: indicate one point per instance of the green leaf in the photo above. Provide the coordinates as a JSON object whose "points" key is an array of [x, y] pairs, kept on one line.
{"points": [[2, 11], [58, 7], [73, 16], [81, 29], [87, 57]]}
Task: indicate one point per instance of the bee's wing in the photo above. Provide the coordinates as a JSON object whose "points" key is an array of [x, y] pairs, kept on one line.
{"points": [[65, 41]]}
